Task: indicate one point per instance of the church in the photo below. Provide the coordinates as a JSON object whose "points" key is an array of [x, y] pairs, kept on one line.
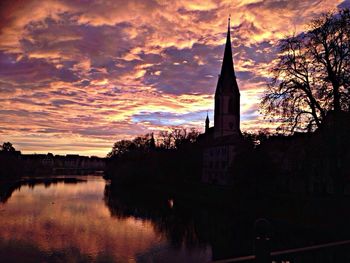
{"points": [[224, 141]]}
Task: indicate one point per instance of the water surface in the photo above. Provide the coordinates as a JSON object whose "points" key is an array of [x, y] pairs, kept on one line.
{"points": [[70, 222], [87, 219]]}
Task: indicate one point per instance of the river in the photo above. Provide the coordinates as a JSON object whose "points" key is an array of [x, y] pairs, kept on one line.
{"points": [[70, 222], [85, 219]]}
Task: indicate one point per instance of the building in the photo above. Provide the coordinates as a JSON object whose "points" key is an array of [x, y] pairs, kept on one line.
{"points": [[223, 142]]}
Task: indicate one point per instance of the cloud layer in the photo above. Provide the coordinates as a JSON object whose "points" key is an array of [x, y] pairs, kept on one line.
{"points": [[75, 76]]}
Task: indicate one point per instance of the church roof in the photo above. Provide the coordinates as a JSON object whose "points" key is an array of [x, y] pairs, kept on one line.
{"points": [[227, 79], [227, 63]]}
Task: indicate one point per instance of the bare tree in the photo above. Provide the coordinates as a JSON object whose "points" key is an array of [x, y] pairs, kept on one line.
{"points": [[179, 135], [311, 76], [7, 147], [120, 148], [143, 143], [165, 140], [193, 135]]}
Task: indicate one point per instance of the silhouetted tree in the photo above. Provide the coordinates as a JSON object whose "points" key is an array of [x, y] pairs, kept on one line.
{"points": [[7, 147], [10, 161], [165, 140], [177, 137], [120, 148], [257, 138], [175, 157], [193, 135], [312, 74], [139, 144]]}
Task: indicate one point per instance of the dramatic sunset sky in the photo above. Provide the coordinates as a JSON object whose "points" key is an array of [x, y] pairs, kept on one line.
{"points": [[75, 76]]}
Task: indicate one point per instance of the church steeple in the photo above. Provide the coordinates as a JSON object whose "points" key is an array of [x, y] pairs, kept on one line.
{"points": [[207, 124], [152, 143], [227, 79], [227, 63], [227, 97]]}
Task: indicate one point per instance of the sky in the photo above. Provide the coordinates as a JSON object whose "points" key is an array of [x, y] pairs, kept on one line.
{"points": [[76, 76]]}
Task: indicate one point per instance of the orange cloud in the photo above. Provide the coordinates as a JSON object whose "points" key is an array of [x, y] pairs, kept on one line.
{"points": [[79, 77]]}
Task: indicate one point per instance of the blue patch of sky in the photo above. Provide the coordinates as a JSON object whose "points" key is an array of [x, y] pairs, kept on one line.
{"points": [[171, 119]]}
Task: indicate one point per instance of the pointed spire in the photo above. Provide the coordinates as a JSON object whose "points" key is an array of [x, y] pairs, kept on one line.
{"points": [[229, 21], [152, 142], [227, 63], [207, 123]]}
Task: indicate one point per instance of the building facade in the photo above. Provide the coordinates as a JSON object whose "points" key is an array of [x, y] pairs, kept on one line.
{"points": [[223, 142]]}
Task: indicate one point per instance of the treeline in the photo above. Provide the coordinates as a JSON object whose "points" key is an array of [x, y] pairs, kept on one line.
{"points": [[14, 165], [169, 156], [9, 161], [174, 138]]}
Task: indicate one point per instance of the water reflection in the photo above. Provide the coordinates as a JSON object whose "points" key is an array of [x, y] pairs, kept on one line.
{"points": [[71, 223], [87, 220], [185, 224], [6, 189], [227, 230]]}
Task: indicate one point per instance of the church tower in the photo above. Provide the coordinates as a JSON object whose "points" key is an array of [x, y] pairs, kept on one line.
{"points": [[207, 124], [227, 96]]}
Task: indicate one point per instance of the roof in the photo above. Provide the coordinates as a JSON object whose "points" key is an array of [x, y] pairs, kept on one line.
{"points": [[227, 79]]}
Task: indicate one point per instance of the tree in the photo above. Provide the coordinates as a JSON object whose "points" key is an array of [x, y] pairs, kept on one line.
{"points": [[311, 76], [177, 137], [180, 136], [7, 147], [173, 139], [165, 140], [258, 137], [139, 144], [193, 135], [120, 148]]}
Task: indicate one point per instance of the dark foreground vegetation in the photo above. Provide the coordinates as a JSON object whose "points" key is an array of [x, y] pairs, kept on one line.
{"points": [[174, 157]]}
